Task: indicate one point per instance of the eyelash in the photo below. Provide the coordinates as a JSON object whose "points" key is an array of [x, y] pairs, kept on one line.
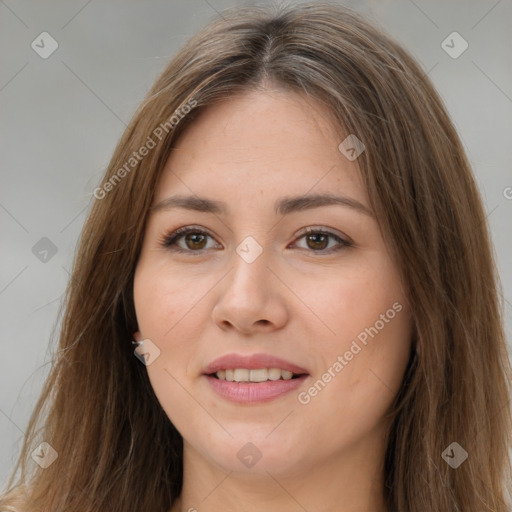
{"points": [[169, 240]]}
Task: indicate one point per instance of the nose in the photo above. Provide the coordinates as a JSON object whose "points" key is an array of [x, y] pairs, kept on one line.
{"points": [[251, 298]]}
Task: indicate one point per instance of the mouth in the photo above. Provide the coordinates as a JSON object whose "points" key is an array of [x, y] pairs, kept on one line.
{"points": [[253, 378]]}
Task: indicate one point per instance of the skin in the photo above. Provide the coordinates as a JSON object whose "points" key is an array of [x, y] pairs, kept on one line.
{"points": [[297, 301]]}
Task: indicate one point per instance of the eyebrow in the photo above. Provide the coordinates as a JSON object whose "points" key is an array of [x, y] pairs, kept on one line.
{"points": [[283, 206]]}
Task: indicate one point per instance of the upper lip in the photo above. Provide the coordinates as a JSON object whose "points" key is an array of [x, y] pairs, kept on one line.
{"points": [[251, 362]]}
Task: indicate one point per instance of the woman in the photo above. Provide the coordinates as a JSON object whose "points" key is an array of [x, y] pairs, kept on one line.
{"points": [[284, 296]]}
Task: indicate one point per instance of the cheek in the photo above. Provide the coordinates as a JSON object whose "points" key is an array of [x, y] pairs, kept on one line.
{"points": [[172, 315], [358, 382], [161, 300], [165, 312], [371, 328], [352, 301]]}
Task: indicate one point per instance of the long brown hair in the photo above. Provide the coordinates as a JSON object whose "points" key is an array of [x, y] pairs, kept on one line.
{"points": [[117, 449]]}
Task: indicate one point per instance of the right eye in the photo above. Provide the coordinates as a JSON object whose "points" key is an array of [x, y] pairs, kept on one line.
{"points": [[194, 240]]}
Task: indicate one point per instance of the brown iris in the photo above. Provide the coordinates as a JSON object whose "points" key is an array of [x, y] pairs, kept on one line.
{"points": [[195, 240], [316, 240]]}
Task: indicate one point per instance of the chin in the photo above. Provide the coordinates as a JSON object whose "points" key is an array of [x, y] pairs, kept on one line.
{"points": [[253, 456]]}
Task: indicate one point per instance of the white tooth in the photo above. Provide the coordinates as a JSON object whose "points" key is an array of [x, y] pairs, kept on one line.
{"points": [[260, 375], [241, 375], [274, 373]]}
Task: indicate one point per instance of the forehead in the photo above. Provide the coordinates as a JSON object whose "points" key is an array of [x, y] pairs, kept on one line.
{"points": [[261, 143]]}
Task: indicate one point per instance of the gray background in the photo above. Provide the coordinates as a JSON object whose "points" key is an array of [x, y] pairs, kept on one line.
{"points": [[63, 115]]}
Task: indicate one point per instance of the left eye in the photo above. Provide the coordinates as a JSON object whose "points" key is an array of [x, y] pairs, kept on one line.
{"points": [[318, 240], [195, 240]]}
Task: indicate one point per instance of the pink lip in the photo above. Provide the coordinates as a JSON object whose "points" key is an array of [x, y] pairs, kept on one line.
{"points": [[249, 393], [251, 362]]}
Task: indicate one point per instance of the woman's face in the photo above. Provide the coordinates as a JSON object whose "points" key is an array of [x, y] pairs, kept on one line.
{"points": [[249, 281]]}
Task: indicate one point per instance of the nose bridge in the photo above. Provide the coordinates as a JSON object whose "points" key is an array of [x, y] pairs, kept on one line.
{"points": [[250, 266], [249, 295]]}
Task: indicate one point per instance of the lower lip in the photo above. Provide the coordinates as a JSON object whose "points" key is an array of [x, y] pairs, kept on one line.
{"points": [[246, 392]]}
